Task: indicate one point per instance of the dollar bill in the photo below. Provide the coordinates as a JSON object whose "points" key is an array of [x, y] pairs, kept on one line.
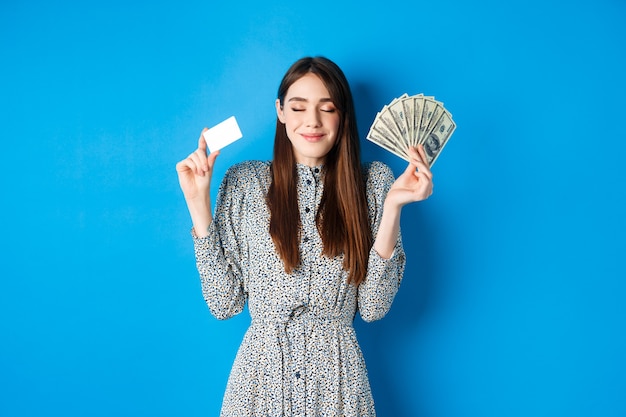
{"points": [[381, 139], [386, 118], [412, 120], [438, 137], [408, 105], [418, 107], [428, 109], [396, 108]]}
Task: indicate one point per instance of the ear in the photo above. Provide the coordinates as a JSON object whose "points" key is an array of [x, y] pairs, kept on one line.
{"points": [[279, 112]]}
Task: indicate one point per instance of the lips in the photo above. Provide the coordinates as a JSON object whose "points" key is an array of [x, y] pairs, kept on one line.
{"points": [[312, 137]]}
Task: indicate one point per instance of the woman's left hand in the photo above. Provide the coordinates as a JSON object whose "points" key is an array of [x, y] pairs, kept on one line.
{"points": [[415, 183]]}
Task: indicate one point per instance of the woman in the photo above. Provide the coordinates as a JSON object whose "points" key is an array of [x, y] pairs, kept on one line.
{"points": [[306, 240]]}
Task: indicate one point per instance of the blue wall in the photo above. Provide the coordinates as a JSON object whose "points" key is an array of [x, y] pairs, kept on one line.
{"points": [[513, 299]]}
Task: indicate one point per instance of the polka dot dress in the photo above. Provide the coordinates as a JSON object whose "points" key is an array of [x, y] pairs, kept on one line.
{"points": [[300, 355]]}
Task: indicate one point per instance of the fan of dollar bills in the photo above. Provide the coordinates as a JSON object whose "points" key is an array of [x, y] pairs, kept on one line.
{"points": [[411, 121]]}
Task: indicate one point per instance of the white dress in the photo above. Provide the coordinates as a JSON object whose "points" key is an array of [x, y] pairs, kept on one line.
{"points": [[300, 355]]}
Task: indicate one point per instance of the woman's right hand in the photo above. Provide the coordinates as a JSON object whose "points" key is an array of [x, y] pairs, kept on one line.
{"points": [[194, 176], [195, 171]]}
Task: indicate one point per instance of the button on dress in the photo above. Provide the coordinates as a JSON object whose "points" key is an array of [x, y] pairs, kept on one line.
{"points": [[300, 355]]}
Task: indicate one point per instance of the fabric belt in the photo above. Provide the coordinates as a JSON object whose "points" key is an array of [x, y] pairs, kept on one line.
{"points": [[279, 358]]}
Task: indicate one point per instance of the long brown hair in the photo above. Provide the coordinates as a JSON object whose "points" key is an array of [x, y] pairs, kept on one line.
{"points": [[342, 218]]}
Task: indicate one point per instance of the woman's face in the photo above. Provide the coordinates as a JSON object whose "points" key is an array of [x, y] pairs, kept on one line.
{"points": [[310, 118]]}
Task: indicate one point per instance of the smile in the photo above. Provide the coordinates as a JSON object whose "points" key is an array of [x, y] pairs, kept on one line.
{"points": [[312, 137]]}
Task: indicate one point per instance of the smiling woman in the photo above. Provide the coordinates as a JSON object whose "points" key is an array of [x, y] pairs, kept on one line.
{"points": [[310, 118], [512, 301], [306, 240]]}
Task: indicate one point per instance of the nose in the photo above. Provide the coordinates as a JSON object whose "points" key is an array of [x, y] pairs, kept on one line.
{"points": [[313, 119]]}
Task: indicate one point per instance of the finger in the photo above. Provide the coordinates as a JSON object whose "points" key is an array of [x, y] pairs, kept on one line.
{"points": [[212, 157], [189, 164], [184, 165], [201, 141], [198, 159], [419, 158], [422, 153], [425, 187], [411, 167], [414, 154]]}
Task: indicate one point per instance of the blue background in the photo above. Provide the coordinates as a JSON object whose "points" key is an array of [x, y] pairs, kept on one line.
{"points": [[513, 298]]}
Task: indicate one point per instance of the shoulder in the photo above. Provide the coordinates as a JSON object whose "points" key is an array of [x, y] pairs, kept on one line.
{"points": [[244, 176], [377, 173], [378, 180], [246, 169]]}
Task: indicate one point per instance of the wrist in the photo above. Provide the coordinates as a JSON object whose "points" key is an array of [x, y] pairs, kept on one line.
{"points": [[201, 217], [392, 207], [200, 229]]}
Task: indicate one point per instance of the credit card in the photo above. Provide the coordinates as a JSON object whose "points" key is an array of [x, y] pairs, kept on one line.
{"points": [[222, 134]]}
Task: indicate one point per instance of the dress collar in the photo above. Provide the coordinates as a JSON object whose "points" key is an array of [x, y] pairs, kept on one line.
{"points": [[315, 171]]}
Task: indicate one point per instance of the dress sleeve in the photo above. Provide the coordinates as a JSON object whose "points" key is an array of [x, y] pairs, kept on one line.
{"points": [[221, 257], [377, 291]]}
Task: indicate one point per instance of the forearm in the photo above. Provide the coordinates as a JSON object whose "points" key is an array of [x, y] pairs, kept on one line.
{"points": [[220, 277], [201, 217], [385, 268]]}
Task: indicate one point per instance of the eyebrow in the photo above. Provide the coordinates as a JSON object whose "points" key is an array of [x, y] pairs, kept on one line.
{"points": [[322, 100]]}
